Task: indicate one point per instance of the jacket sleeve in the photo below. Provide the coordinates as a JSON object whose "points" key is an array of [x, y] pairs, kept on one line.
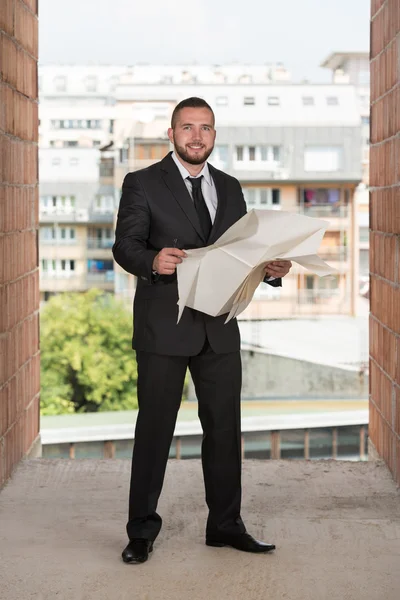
{"points": [[132, 231], [277, 282]]}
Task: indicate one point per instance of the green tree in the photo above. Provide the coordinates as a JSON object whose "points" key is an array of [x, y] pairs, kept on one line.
{"points": [[87, 362]]}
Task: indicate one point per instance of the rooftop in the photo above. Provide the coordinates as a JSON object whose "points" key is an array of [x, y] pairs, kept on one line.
{"points": [[335, 341]]}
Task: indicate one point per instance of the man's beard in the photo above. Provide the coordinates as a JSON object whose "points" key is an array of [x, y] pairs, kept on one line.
{"points": [[180, 150]]}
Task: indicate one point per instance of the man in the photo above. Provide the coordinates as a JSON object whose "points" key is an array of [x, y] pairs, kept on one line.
{"points": [[179, 203]]}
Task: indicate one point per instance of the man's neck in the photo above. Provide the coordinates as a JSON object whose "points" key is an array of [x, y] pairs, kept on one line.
{"points": [[194, 170]]}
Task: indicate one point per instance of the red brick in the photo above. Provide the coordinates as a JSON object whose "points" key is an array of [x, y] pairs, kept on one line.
{"points": [[26, 28], [375, 6], [7, 16], [3, 410], [397, 412], [8, 60], [32, 4]]}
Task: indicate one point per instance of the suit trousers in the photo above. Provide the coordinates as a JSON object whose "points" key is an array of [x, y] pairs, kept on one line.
{"points": [[217, 380]]}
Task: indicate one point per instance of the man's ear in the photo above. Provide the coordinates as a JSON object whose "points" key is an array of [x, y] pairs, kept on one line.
{"points": [[171, 135]]}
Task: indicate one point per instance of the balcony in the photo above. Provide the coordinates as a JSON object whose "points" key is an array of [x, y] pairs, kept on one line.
{"points": [[62, 281], [325, 211], [98, 243], [103, 280], [336, 526], [59, 214], [101, 215]]}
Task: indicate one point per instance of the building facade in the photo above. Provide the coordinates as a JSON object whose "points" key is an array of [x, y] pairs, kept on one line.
{"points": [[294, 147], [353, 68]]}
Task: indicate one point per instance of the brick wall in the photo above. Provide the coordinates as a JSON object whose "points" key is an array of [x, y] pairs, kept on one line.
{"points": [[19, 283], [384, 427]]}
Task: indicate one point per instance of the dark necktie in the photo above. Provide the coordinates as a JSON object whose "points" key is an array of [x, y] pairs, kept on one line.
{"points": [[201, 206]]}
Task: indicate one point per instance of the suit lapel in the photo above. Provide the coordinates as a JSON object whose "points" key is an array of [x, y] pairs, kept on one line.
{"points": [[220, 185], [177, 186]]}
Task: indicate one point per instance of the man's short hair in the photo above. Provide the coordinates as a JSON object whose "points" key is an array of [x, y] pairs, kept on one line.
{"points": [[189, 103]]}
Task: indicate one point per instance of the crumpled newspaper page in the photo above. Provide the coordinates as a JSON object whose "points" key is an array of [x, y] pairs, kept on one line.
{"points": [[223, 277]]}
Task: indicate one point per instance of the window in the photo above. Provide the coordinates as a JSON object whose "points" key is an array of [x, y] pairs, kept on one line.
{"points": [[56, 161], [322, 158], [111, 126], [93, 124], [73, 161], [364, 234], [250, 196], [249, 101], [262, 197], [276, 153], [70, 144], [61, 204], [100, 237], [332, 101], [221, 101], [308, 101], [47, 234], [220, 155], [67, 265], [258, 154], [365, 120], [60, 83], [104, 204], [273, 101], [58, 268], [100, 266], [96, 143], [264, 152], [276, 197], [123, 154]]}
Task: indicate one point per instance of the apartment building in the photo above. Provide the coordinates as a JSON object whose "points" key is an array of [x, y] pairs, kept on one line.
{"points": [[77, 197], [354, 68], [292, 147]]}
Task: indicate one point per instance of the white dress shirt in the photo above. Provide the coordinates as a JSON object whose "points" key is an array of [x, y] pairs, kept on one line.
{"points": [[207, 186]]}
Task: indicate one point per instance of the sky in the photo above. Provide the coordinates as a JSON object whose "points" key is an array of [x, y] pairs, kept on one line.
{"points": [[298, 33]]}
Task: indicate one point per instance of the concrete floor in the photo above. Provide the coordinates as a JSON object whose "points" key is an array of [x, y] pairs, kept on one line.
{"points": [[336, 526]]}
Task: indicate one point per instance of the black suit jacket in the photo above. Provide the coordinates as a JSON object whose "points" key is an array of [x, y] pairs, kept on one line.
{"points": [[155, 212]]}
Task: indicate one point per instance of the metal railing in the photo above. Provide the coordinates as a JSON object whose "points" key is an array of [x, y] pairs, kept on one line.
{"points": [[100, 277], [96, 243], [274, 425]]}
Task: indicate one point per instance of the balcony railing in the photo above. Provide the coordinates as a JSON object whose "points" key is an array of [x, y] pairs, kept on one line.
{"points": [[326, 435], [317, 296], [96, 243], [101, 277], [334, 253], [324, 210]]}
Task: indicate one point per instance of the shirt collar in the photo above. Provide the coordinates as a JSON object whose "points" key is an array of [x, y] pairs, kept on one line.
{"points": [[185, 173]]}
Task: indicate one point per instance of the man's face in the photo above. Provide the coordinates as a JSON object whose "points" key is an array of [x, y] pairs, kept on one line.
{"points": [[193, 135]]}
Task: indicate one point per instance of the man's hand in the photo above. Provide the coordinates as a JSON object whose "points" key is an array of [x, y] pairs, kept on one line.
{"points": [[278, 268], [166, 260]]}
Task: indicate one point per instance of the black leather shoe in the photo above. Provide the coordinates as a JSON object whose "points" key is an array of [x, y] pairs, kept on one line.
{"points": [[243, 541], [137, 551]]}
